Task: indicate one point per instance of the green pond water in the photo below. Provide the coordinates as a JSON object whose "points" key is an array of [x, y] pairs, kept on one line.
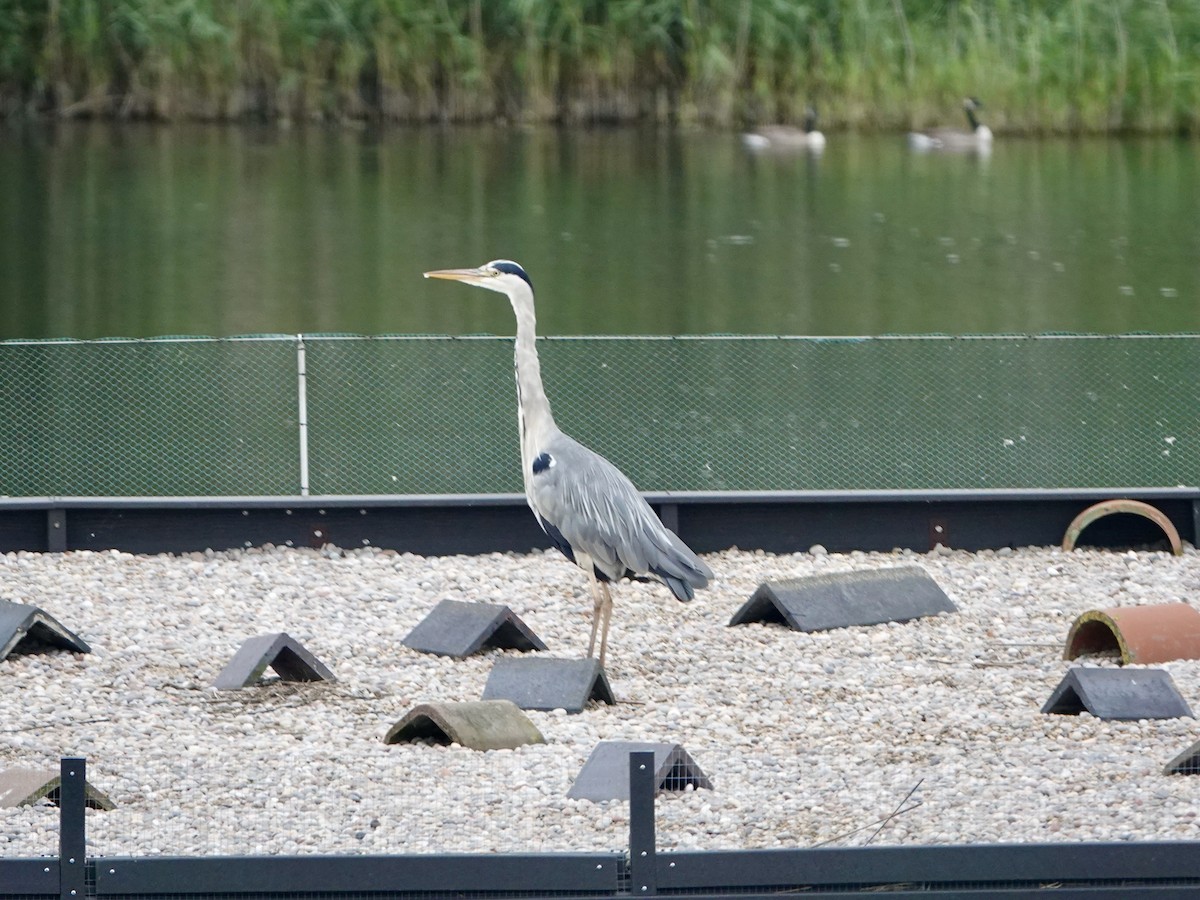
{"points": [[140, 231]]}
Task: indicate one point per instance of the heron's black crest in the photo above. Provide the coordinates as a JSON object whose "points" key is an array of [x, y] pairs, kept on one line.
{"points": [[511, 268], [542, 463]]}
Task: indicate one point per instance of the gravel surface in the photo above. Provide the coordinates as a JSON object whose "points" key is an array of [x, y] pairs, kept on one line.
{"points": [[808, 738]]}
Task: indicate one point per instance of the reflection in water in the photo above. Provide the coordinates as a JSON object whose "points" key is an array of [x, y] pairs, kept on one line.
{"points": [[143, 231]]}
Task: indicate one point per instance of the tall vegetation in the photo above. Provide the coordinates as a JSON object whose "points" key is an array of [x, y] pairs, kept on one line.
{"points": [[1040, 65]]}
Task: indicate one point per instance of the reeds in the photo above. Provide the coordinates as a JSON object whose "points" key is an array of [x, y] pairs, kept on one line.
{"points": [[1040, 65]]}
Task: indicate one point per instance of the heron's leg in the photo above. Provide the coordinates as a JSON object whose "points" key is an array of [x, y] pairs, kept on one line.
{"points": [[607, 613], [597, 602]]}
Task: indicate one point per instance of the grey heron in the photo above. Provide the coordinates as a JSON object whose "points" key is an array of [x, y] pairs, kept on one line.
{"points": [[787, 137], [979, 137], [587, 507]]}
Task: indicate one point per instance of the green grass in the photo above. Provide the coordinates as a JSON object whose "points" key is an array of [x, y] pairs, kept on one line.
{"points": [[1039, 65]]}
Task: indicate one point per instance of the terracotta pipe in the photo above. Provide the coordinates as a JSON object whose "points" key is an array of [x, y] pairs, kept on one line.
{"points": [[1122, 505], [1137, 634]]}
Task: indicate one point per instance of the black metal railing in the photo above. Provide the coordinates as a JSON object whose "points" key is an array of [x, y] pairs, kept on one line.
{"points": [[1103, 871]]}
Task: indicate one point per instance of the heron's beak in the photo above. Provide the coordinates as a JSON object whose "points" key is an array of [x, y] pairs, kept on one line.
{"points": [[470, 276]]}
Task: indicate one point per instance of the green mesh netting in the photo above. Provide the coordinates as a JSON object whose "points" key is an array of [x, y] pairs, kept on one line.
{"points": [[128, 418], [419, 415]]}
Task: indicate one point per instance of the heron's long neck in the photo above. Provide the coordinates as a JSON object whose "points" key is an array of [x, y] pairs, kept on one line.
{"points": [[533, 409]]}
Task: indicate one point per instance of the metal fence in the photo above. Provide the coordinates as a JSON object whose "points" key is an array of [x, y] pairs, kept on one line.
{"points": [[330, 415], [169, 417], [1103, 871]]}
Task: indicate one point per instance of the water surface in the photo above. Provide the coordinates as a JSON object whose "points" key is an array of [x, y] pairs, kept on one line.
{"points": [[141, 231]]}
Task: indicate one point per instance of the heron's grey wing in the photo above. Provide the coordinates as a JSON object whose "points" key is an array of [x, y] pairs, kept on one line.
{"points": [[597, 510]]}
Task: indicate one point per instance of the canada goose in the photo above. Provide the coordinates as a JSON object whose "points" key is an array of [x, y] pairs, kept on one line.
{"points": [[787, 137], [978, 138]]}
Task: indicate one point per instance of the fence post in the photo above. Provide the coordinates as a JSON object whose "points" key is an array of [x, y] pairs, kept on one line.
{"points": [[56, 530], [302, 402], [642, 872], [72, 824]]}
